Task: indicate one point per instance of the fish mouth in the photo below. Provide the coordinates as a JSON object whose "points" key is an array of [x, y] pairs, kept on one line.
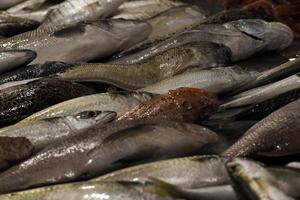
{"points": [[106, 116]]}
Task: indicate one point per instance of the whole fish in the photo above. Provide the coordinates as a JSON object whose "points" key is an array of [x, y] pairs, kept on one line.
{"points": [[11, 25], [90, 38], [20, 101], [155, 69], [254, 182], [92, 190], [10, 59], [34, 71], [14, 150], [168, 23], [43, 132], [182, 104], [9, 3], [119, 102], [239, 36], [104, 148], [260, 94], [218, 80], [189, 172], [275, 135], [73, 11]]}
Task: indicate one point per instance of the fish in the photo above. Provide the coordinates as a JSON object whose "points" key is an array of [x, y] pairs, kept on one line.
{"points": [[74, 11], [20, 101], [168, 23], [275, 135], [253, 182], [118, 102], [12, 25], [238, 36], [42, 133], [92, 190], [263, 93], [14, 150], [15, 83], [10, 59], [9, 3], [144, 9], [104, 148], [181, 104], [26, 6], [217, 80], [167, 64], [51, 44], [295, 165], [193, 172], [34, 71]]}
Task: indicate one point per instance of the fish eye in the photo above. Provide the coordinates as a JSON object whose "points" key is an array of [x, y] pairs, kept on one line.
{"points": [[86, 115]]}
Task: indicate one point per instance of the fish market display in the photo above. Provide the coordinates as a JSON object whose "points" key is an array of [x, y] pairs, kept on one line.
{"points": [[273, 135], [118, 102], [217, 80], [149, 99], [13, 150], [182, 104], [157, 68], [89, 153], [46, 131], [22, 100]]}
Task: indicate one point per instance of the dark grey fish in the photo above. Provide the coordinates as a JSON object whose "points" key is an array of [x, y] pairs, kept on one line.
{"points": [[102, 149], [10, 59], [34, 71], [22, 100], [164, 65], [11, 25], [277, 134], [80, 42]]}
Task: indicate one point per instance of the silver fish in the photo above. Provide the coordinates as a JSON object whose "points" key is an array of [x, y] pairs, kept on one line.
{"points": [[217, 80], [50, 44], [104, 148], [119, 102], [263, 93], [10, 59], [254, 182], [43, 132], [73, 11], [144, 9]]}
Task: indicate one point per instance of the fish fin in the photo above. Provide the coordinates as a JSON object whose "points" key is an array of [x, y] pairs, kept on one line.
{"points": [[70, 31], [163, 188]]}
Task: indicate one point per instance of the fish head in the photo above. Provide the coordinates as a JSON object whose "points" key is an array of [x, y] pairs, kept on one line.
{"points": [[276, 36], [87, 119]]}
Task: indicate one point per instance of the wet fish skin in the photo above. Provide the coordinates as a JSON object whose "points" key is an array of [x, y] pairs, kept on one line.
{"points": [[263, 93], [167, 64], [70, 12], [51, 44], [10, 59], [20, 101], [97, 190], [144, 9], [253, 182], [8, 3], [218, 80], [90, 153], [274, 135], [14, 150], [42, 133], [27, 5], [12, 25], [118, 102], [181, 104], [34, 71], [15, 83], [188, 172]]}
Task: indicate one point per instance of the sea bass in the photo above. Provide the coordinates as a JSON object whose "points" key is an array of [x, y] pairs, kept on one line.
{"points": [[104, 148]]}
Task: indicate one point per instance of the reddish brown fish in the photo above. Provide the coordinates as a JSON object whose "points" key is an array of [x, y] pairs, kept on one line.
{"points": [[13, 150], [182, 104], [276, 135]]}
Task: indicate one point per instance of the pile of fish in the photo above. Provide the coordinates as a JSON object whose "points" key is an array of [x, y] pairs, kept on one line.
{"points": [[146, 99]]}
